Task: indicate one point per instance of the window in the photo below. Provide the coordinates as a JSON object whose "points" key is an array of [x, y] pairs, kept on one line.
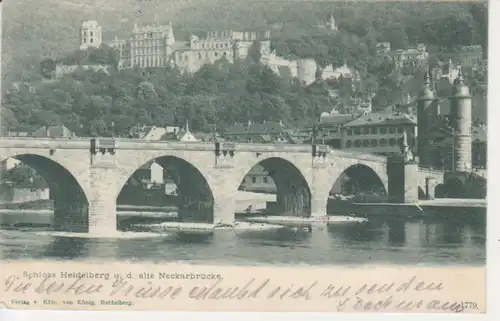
{"points": [[366, 142], [216, 54], [383, 142], [264, 179], [85, 33], [254, 179], [383, 130], [392, 130], [91, 40], [357, 143], [357, 131], [400, 141], [400, 130], [349, 132], [374, 142], [374, 130], [91, 34], [392, 142], [348, 144], [366, 131]]}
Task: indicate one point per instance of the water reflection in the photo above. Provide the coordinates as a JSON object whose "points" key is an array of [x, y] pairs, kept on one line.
{"points": [[392, 241], [396, 235], [68, 248]]}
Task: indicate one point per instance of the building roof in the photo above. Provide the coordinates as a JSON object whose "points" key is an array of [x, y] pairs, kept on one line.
{"points": [[336, 119], [53, 131], [383, 119]]}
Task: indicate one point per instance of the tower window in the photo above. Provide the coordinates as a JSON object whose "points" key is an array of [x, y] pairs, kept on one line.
{"points": [[84, 40], [91, 40], [91, 33], [85, 33]]}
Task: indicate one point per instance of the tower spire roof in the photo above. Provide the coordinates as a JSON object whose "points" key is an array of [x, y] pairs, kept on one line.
{"points": [[460, 89], [427, 78], [427, 92]]}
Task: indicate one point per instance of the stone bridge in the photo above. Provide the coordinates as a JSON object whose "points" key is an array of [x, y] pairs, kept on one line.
{"points": [[85, 176]]}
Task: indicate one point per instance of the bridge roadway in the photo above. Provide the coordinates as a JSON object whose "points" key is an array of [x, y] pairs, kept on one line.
{"points": [[86, 175], [126, 143]]}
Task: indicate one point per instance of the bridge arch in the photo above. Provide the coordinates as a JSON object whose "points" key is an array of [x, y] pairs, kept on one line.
{"points": [[67, 183], [359, 178], [291, 183], [192, 193]]}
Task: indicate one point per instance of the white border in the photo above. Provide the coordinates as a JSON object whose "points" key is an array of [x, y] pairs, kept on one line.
{"points": [[493, 237]]}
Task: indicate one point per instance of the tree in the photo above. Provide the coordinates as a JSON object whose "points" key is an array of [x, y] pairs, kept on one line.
{"points": [[48, 67]]}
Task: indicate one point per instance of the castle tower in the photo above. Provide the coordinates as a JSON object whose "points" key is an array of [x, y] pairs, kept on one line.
{"points": [[332, 23], [461, 122], [425, 99], [306, 71], [90, 35]]}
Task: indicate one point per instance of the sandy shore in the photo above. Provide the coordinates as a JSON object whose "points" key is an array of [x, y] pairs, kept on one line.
{"points": [[186, 226], [306, 220]]}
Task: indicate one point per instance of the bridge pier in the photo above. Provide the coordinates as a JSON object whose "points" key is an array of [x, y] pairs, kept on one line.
{"points": [[319, 205], [103, 189], [102, 209], [224, 209], [403, 180]]}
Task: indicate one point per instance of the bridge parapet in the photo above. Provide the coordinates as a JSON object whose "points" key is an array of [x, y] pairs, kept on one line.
{"points": [[45, 142]]}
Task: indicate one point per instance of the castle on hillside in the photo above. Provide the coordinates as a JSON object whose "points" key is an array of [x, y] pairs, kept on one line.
{"points": [[90, 35], [155, 46]]}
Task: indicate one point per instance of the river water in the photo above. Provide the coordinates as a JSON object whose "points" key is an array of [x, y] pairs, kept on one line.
{"points": [[382, 241]]}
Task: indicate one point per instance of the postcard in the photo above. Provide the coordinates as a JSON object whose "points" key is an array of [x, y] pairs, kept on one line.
{"points": [[267, 156]]}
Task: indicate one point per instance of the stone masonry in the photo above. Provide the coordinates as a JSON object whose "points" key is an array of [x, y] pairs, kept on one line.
{"points": [[96, 170]]}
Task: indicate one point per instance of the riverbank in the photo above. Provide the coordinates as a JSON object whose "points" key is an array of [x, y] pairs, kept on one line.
{"points": [[243, 199], [475, 208], [195, 227], [295, 220]]}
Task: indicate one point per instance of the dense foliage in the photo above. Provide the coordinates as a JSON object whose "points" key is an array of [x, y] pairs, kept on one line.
{"points": [[90, 102]]}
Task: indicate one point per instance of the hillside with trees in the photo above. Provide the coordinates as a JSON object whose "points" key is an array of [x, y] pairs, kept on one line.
{"points": [[34, 30], [89, 102]]}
